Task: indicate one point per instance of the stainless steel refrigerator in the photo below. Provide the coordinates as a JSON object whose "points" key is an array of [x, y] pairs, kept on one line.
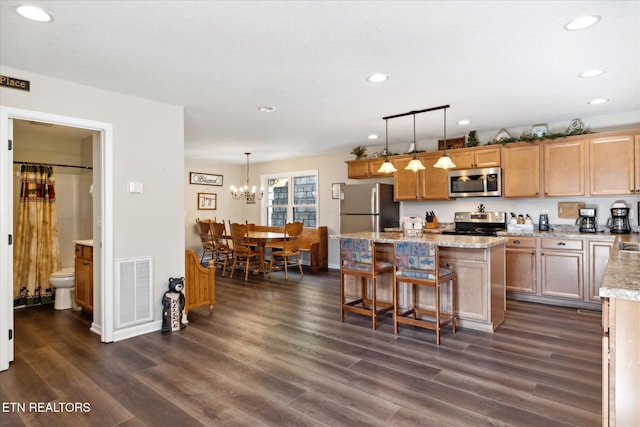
{"points": [[368, 207]]}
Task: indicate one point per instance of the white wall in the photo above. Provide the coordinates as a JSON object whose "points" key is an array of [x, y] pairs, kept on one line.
{"points": [[148, 146]]}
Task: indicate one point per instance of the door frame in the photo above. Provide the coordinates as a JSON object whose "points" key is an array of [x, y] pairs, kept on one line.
{"points": [[105, 215]]}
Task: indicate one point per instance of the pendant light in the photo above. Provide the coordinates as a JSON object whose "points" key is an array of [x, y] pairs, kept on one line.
{"points": [[247, 193], [415, 164], [387, 166], [445, 161]]}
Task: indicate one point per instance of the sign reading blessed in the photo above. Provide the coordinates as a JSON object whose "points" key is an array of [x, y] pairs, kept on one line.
{"points": [[14, 83], [205, 179]]}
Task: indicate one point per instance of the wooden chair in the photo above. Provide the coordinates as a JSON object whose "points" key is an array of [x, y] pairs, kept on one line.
{"points": [[289, 253], [199, 283], [206, 238], [223, 252], [358, 258], [418, 265], [244, 254]]}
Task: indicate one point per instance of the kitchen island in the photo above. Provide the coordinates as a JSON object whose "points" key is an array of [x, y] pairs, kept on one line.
{"points": [[479, 263]]}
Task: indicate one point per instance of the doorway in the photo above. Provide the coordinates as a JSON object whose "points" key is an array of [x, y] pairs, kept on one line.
{"points": [[103, 322]]}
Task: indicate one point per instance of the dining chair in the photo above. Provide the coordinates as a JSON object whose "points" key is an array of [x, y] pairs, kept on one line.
{"points": [[244, 254], [358, 258], [206, 238], [289, 253], [223, 253], [418, 265]]}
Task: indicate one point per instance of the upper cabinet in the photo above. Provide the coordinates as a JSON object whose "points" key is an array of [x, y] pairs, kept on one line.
{"points": [[365, 168], [614, 165], [521, 170], [564, 168], [428, 184], [477, 157]]}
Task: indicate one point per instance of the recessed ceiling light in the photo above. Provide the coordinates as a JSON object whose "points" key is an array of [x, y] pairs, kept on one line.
{"points": [[266, 109], [582, 22], [373, 136], [598, 101], [34, 13], [464, 122], [592, 73], [377, 78]]}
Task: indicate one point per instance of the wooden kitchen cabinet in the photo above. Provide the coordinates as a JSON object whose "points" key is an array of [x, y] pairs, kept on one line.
{"points": [[84, 277], [612, 166], [521, 170], [479, 157], [480, 288], [405, 182], [365, 168], [620, 367], [520, 255], [564, 168], [434, 182], [598, 258], [561, 264]]}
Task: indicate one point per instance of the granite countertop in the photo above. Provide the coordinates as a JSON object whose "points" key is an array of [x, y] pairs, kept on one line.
{"points": [[84, 242], [622, 276], [471, 242]]}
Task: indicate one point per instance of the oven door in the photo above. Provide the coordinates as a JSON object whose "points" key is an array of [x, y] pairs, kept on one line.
{"points": [[485, 182]]}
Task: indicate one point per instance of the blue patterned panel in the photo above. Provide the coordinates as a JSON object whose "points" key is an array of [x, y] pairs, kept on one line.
{"points": [[422, 274], [356, 250], [415, 255]]}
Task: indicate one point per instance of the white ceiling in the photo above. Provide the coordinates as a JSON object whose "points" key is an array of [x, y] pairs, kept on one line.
{"points": [[500, 64]]}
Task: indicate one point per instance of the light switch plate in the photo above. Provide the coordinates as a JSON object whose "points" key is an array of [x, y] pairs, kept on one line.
{"points": [[135, 187]]}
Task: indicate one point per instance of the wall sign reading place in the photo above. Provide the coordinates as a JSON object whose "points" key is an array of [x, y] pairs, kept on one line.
{"points": [[14, 83]]}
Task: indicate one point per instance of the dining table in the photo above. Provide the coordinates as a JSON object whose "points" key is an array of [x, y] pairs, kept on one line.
{"points": [[261, 238]]}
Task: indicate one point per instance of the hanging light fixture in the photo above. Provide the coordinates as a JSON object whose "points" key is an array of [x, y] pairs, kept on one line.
{"points": [[415, 164], [244, 193], [445, 161], [387, 166]]}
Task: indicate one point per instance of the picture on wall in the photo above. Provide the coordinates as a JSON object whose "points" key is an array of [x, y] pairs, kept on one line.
{"points": [[207, 201], [205, 179]]}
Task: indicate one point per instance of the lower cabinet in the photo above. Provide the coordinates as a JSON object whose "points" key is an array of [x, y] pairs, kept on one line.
{"points": [[562, 264], [598, 258], [84, 277], [521, 265], [480, 292]]}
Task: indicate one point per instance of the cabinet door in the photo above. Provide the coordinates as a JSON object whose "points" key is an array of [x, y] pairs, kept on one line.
{"points": [[598, 258], [358, 169], [521, 270], [433, 181], [487, 158], [611, 165], [521, 171], [637, 164], [562, 274], [472, 300], [84, 279], [405, 182], [463, 159], [564, 172], [374, 165]]}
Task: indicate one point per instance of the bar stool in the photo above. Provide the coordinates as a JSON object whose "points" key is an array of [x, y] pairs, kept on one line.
{"points": [[358, 258], [418, 265]]}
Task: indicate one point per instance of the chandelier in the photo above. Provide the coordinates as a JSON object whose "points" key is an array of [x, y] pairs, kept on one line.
{"points": [[244, 193]]}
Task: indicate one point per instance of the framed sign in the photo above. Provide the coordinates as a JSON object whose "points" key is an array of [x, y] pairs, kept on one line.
{"points": [[335, 190], [205, 179], [207, 201]]}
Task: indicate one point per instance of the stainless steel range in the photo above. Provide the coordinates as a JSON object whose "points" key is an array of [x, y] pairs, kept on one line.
{"points": [[479, 223]]}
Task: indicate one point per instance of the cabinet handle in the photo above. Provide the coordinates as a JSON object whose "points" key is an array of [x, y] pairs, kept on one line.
{"points": [[85, 263], [562, 244], [516, 242]]}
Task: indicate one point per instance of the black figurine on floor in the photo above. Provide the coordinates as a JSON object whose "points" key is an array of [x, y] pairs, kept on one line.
{"points": [[173, 318]]}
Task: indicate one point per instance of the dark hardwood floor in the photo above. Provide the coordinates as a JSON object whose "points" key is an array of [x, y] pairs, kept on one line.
{"points": [[275, 353]]}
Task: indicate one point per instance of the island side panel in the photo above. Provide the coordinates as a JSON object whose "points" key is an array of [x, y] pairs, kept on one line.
{"points": [[498, 276]]}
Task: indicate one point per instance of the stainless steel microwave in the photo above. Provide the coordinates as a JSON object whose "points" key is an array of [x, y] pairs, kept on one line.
{"points": [[485, 182]]}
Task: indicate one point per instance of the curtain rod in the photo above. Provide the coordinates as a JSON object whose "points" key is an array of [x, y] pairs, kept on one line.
{"points": [[411, 113], [53, 164]]}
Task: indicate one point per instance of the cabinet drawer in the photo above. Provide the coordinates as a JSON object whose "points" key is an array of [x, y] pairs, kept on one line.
{"points": [[562, 244], [83, 251], [521, 242]]}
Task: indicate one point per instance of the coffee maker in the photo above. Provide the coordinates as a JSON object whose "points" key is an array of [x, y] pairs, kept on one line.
{"points": [[588, 221], [619, 221]]}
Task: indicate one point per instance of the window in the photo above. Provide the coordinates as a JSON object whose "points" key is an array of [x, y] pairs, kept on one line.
{"points": [[291, 197]]}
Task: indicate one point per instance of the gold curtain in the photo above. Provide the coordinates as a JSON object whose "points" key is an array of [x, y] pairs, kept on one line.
{"points": [[37, 249]]}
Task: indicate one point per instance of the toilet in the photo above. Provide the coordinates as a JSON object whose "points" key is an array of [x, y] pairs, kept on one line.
{"points": [[63, 281]]}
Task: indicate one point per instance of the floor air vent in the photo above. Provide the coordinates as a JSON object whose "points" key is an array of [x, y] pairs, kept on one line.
{"points": [[133, 295]]}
